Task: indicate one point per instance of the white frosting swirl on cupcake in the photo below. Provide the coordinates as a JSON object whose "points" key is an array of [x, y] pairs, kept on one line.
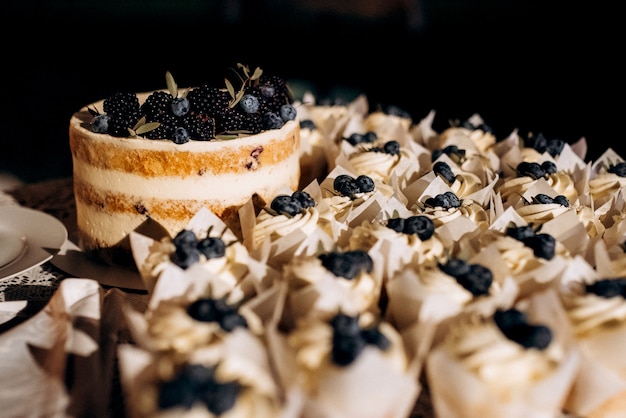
{"points": [[604, 186], [422, 252], [387, 125], [483, 349], [537, 214], [476, 213], [465, 184], [331, 293], [340, 207], [589, 312], [232, 267], [470, 210], [312, 342], [436, 282], [512, 189], [170, 327], [273, 226], [482, 140], [379, 165], [563, 184], [518, 257]]}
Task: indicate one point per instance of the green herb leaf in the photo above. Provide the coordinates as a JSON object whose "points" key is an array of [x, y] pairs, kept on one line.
{"points": [[147, 127], [257, 74], [171, 84], [230, 88]]}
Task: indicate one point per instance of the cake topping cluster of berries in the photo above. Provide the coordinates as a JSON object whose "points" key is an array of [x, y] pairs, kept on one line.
{"points": [[515, 326], [535, 170], [455, 153], [541, 144], [421, 225], [542, 198], [217, 310], [348, 186], [292, 205], [198, 383], [202, 113], [543, 245], [349, 339], [347, 264], [445, 200], [608, 288], [475, 278], [189, 248]]}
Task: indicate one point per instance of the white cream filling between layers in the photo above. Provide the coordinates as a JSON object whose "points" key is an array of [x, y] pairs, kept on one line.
{"points": [[224, 189]]}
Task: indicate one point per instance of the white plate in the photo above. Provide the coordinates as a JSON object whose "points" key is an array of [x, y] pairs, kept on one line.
{"points": [[42, 235], [12, 245], [73, 261]]}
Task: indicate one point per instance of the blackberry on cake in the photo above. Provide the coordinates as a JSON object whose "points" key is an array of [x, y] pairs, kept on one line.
{"points": [[124, 112]]}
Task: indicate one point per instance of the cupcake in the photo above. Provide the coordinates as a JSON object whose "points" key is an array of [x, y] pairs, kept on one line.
{"points": [[323, 284], [288, 226], [516, 361], [331, 118], [421, 300], [348, 200], [471, 144], [313, 143], [398, 242], [540, 203], [389, 122], [596, 308], [534, 258], [207, 244], [465, 184], [233, 379], [384, 160], [199, 352], [512, 188], [453, 217], [608, 176], [339, 365]]}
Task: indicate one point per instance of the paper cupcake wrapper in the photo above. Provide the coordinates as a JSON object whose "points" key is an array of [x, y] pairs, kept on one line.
{"points": [[608, 157], [602, 375], [349, 391], [59, 362], [241, 357], [423, 132], [448, 382]]}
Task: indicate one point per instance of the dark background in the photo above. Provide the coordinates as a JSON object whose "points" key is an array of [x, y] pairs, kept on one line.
{"points": [[541, 66]]}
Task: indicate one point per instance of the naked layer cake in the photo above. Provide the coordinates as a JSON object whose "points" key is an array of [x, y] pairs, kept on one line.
{"points": [[151, 160]]}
